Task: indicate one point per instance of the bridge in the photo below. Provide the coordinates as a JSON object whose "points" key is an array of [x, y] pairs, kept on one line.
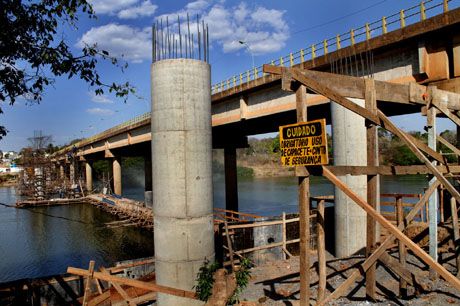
{"points": [[425, 52], [414, 68]]}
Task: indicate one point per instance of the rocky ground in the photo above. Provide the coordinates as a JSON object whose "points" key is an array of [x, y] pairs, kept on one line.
{"points": [[277, 283]]}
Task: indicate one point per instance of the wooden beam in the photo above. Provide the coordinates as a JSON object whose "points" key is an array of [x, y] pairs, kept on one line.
{"points": [[304, 208], [88, 283], [448, 144], [390, 170], [99, 299], [403, 136], [321, 246], [117, 287], [401, 247], [455, 229], [339, 291], [134, 283], [372, 184], [393, 230]]}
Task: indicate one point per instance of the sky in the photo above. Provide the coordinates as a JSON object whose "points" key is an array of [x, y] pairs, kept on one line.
{"points": [[271, 28]]}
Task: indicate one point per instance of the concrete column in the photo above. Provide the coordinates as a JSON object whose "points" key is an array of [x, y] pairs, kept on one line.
{"points": [[433, 200], [89, 176], [148, 181], [231, 180], [72, 172], [116, 166], [181, 173], [350, 149], [61, 172]]}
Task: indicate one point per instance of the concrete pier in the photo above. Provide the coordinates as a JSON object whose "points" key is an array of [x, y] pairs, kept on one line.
{"points": [[181, 173], [116, 166], [350, 149], [89, 176]]}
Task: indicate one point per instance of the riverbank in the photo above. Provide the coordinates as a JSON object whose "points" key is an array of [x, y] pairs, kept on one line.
{"points": [[8, 179]]}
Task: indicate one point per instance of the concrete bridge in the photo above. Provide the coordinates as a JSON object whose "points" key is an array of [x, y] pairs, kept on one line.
{"points": [[426, 52], [406, 70]]}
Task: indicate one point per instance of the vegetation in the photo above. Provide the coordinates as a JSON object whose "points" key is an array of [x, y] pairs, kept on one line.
{"points": [[205, 280], [32, 53]]}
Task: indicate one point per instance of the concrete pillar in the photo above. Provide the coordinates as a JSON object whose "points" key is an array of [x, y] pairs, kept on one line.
{"points": [[433, 200], [89, 176], [350, 149], [116, 166], [181, 173], [61, 172], [72, 172], [231, 179]]}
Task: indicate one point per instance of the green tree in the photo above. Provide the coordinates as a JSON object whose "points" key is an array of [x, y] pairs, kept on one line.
{"points": [[32, 53]]}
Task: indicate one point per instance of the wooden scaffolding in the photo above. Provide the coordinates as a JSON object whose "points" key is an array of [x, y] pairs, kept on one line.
{"points": [[431, 101]]}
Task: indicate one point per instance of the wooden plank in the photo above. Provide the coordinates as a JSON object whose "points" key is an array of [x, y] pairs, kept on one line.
{"points": [[99, 299], [134, 283], [117, 287], [229, 246], [339, 291], [321, 247], [453, 207], [401, 247], [304, 209], [284, 235], [372, 185], [393, 230], [403, 136], [391, 170], [448, 144], [88, 283]]}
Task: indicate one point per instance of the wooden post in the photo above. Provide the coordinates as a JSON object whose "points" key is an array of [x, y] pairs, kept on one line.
{"points": [[304, 209], [284, 235], [402, 248], [88, 283], [321, 251], [441, 203], [229, 245], [372, 183], [453, 209]]}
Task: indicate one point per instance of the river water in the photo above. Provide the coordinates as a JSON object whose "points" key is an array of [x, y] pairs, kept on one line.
{"points": [[45, 241]]}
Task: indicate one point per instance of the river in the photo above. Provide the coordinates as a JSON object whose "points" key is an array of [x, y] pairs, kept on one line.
{"points": [[45, 241]]}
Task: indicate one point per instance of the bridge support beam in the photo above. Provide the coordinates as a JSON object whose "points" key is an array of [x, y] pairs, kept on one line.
{"points": [[181, 173], [116, 168], [350, 149], [89, 176], [231, 180], [72, 172]]}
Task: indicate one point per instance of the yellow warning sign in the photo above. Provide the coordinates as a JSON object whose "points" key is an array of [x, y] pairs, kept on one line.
{"points": [[304, 143]]}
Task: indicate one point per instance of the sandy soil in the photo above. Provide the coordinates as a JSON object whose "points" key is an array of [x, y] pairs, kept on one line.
{"points": [[277, 283]]}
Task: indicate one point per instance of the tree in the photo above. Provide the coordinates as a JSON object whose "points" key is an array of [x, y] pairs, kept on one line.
{"points": [[32, 53]]}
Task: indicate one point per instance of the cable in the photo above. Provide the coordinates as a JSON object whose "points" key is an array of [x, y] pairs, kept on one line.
{"points": [[337, 19]]}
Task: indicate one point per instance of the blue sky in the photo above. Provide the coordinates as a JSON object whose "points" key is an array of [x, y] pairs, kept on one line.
{"points": [[272, 28]]}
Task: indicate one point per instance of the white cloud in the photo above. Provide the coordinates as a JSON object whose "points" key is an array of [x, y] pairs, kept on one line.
{"points": [[145, 9], [103, 99], [111, 6], [100, 111], [264, 30], [134, 44]]}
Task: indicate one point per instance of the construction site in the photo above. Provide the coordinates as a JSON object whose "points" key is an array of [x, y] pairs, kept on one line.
{"points": [[356, 246]]}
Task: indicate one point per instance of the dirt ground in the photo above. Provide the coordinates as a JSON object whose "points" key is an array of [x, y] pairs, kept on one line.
{"points": [[277, 283]]}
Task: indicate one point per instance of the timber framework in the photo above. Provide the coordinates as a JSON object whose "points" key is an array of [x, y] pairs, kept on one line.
{"points": [[432, 102]]}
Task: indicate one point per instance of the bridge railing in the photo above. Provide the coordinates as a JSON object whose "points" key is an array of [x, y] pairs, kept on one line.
{"points": [[416, 13]]}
